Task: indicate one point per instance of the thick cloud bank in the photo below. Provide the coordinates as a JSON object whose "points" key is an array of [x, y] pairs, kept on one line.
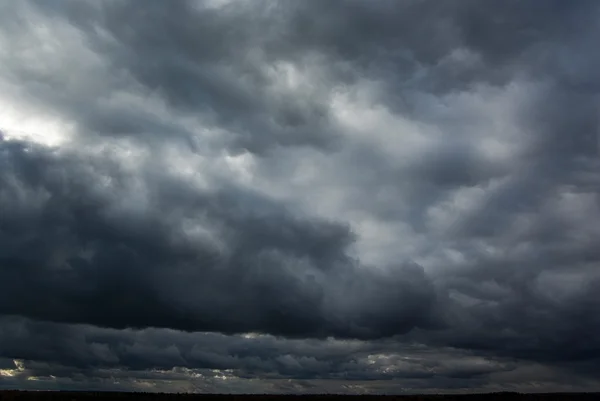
{"points": [[314, 196]]}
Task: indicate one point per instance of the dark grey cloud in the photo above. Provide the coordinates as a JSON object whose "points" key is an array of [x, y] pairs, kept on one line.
{"points": [[159, 360], [96, 353], [96, 263], [232, 65], [419, 178]]}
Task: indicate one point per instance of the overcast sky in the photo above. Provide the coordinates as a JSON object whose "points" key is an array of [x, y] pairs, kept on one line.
{"points": [[346, 196]]}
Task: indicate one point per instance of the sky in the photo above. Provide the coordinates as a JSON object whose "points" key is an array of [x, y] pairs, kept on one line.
{"points": [[300, 196]]}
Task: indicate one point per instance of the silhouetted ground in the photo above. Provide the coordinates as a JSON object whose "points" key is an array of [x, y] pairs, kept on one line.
{"points": [[101, 396]]}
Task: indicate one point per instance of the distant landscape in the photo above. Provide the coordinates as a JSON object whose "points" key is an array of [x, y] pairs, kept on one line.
{"points": [[72, 396]]}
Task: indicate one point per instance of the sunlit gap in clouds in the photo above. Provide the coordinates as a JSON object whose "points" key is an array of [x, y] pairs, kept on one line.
{"points": [[19, 123]]}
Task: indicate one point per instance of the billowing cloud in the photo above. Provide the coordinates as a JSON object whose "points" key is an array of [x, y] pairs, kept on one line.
{"points": [[340, 196], [119, 249]]}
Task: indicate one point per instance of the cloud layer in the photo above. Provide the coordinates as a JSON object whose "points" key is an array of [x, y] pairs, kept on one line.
{"points": [[278, 196]]}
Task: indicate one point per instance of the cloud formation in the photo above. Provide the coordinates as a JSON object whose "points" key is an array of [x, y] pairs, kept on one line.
{"points": [[340, 196]]}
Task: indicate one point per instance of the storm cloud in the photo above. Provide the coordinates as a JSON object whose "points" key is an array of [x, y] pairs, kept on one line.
{"points": [[312, 196]]}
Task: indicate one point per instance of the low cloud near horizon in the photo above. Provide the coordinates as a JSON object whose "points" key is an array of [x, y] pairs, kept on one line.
{"points": [[338, 196]]}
